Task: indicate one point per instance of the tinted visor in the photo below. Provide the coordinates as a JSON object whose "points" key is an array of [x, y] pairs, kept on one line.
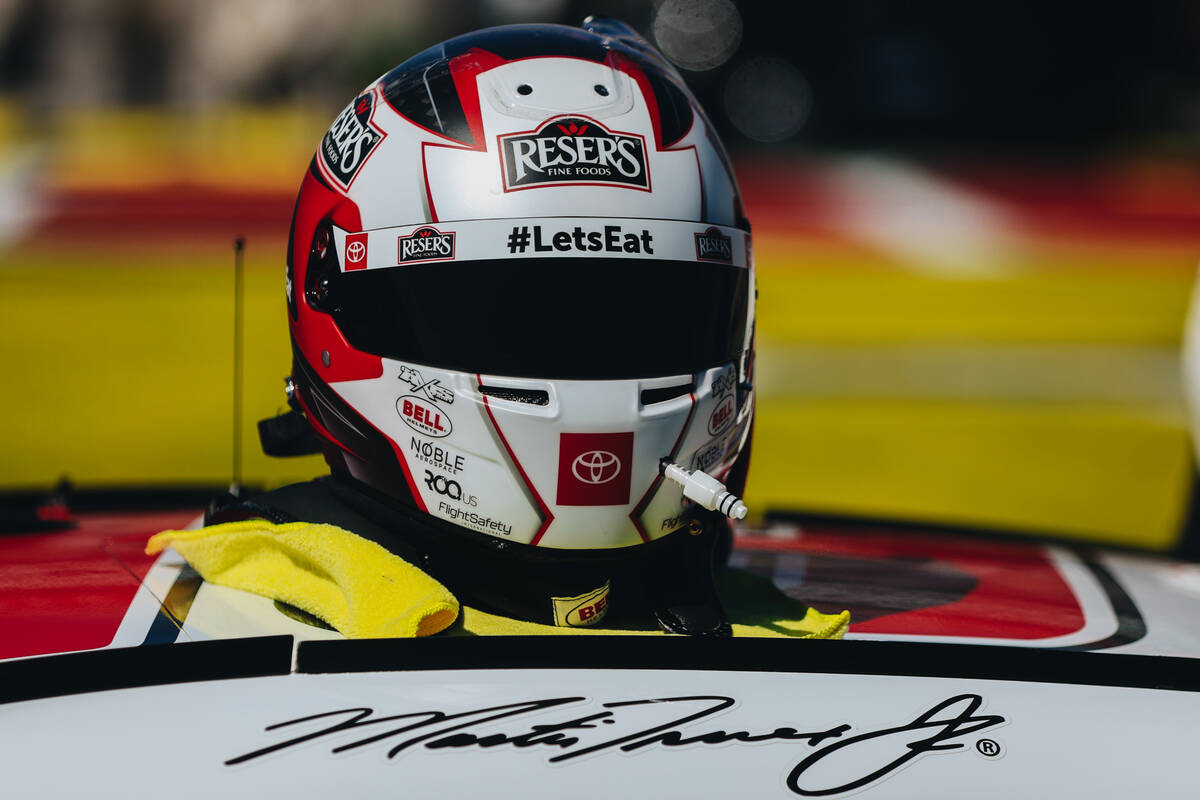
{"points": [[548, 318]]}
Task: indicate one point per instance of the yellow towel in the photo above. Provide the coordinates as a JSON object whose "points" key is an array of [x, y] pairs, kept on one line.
{"points": [[355, 585], [365, 591], [754, 606]]}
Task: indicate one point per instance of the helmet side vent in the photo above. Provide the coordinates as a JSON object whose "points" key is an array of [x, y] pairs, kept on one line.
{"points": [[533, 397], [664, 393]]}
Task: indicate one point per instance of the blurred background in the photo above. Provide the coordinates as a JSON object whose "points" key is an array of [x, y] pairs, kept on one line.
{"points": [[977, 227]]}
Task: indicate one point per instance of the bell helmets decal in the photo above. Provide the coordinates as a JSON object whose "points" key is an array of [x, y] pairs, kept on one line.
{"points": [[356, 251], [594, 469], [423, 416], [581, 611], [573, 150]]}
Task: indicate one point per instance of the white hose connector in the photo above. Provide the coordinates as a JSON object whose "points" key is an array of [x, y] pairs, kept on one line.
{"points": [[705, 490]]}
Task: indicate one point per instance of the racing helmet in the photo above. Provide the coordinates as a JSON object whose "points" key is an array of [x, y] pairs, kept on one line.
{"points": [[519, 285]]}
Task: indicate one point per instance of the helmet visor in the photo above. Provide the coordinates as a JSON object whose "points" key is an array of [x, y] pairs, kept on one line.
{"points": [[548, 318]]}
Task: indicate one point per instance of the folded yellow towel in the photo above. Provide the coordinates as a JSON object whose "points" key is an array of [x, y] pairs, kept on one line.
{"points": [[365, 591], [355, 585], [754, 605]]}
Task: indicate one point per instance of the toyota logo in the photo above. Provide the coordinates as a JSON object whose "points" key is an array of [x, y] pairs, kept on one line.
{"points": [[355, 252], [596, 466]]}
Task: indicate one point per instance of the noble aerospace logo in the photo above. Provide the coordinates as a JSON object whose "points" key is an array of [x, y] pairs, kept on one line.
{"points": [[573, 150], [593, 468], [350, 141], [712, 245], [425, 244]]}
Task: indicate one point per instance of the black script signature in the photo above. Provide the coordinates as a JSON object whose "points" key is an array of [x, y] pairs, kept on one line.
{"points": [[934, 730]]}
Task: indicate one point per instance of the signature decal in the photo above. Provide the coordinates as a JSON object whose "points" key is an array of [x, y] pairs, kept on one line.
{"points": [[839, 759]]}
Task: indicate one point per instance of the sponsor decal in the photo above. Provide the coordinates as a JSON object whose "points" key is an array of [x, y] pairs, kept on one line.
{"points": [[472, 519], [612, 239], [581, 611], [423, 416], [830, 759], [573, 150], [350, 141], [437, 456], [708, 455], [723, 384], [721, 416], [594, 468], [425, 244], [450, 488], [356, 251], [673, 523], [712, 245], [432, 389]]}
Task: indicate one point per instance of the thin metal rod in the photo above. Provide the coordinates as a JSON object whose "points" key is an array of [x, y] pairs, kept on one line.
{"points": [[239, 249]]}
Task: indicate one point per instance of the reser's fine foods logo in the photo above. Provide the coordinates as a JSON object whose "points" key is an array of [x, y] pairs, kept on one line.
{"points": [[573, 150]]}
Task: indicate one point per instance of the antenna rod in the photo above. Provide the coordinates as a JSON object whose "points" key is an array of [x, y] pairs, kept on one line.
{"points": [[239, 249]]}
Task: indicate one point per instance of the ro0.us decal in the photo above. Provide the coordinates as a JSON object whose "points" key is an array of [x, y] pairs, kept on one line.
{"points": [[573, 150], [831, 759], [350, 141]]}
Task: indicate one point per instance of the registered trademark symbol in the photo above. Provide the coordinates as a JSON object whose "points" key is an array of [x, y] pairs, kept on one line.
{"points": [[988, 747]]}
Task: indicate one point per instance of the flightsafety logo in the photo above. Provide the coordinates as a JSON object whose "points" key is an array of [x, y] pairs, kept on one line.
{"points": [[573, 150]]}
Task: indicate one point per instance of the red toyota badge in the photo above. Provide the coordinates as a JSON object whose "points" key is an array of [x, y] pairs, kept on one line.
{"points": [[594, 468], [356, 251]]}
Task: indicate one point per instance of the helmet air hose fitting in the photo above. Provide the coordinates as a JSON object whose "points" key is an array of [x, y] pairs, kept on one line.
{"points": [[704, 489]]}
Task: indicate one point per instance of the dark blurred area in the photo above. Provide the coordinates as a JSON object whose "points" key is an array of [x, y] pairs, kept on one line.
{"points": [[1067, 80]]}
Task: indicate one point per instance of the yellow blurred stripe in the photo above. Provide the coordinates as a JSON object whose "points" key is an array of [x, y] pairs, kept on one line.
{"points": [[1107, 474], [121, 371]]}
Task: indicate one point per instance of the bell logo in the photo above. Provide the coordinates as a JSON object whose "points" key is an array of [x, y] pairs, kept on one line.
{"points": [[423, 416], [581, 611], [594, 469], [721, 416]]}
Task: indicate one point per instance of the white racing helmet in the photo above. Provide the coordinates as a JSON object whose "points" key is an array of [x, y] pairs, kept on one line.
{"points": [[519, 283]]}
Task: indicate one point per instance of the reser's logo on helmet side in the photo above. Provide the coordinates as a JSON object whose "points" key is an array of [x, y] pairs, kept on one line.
{"points": [[423, 416], [596, 466], [594, 469], [350, 141], [425, 244], [712, 245], [568, 150]]}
